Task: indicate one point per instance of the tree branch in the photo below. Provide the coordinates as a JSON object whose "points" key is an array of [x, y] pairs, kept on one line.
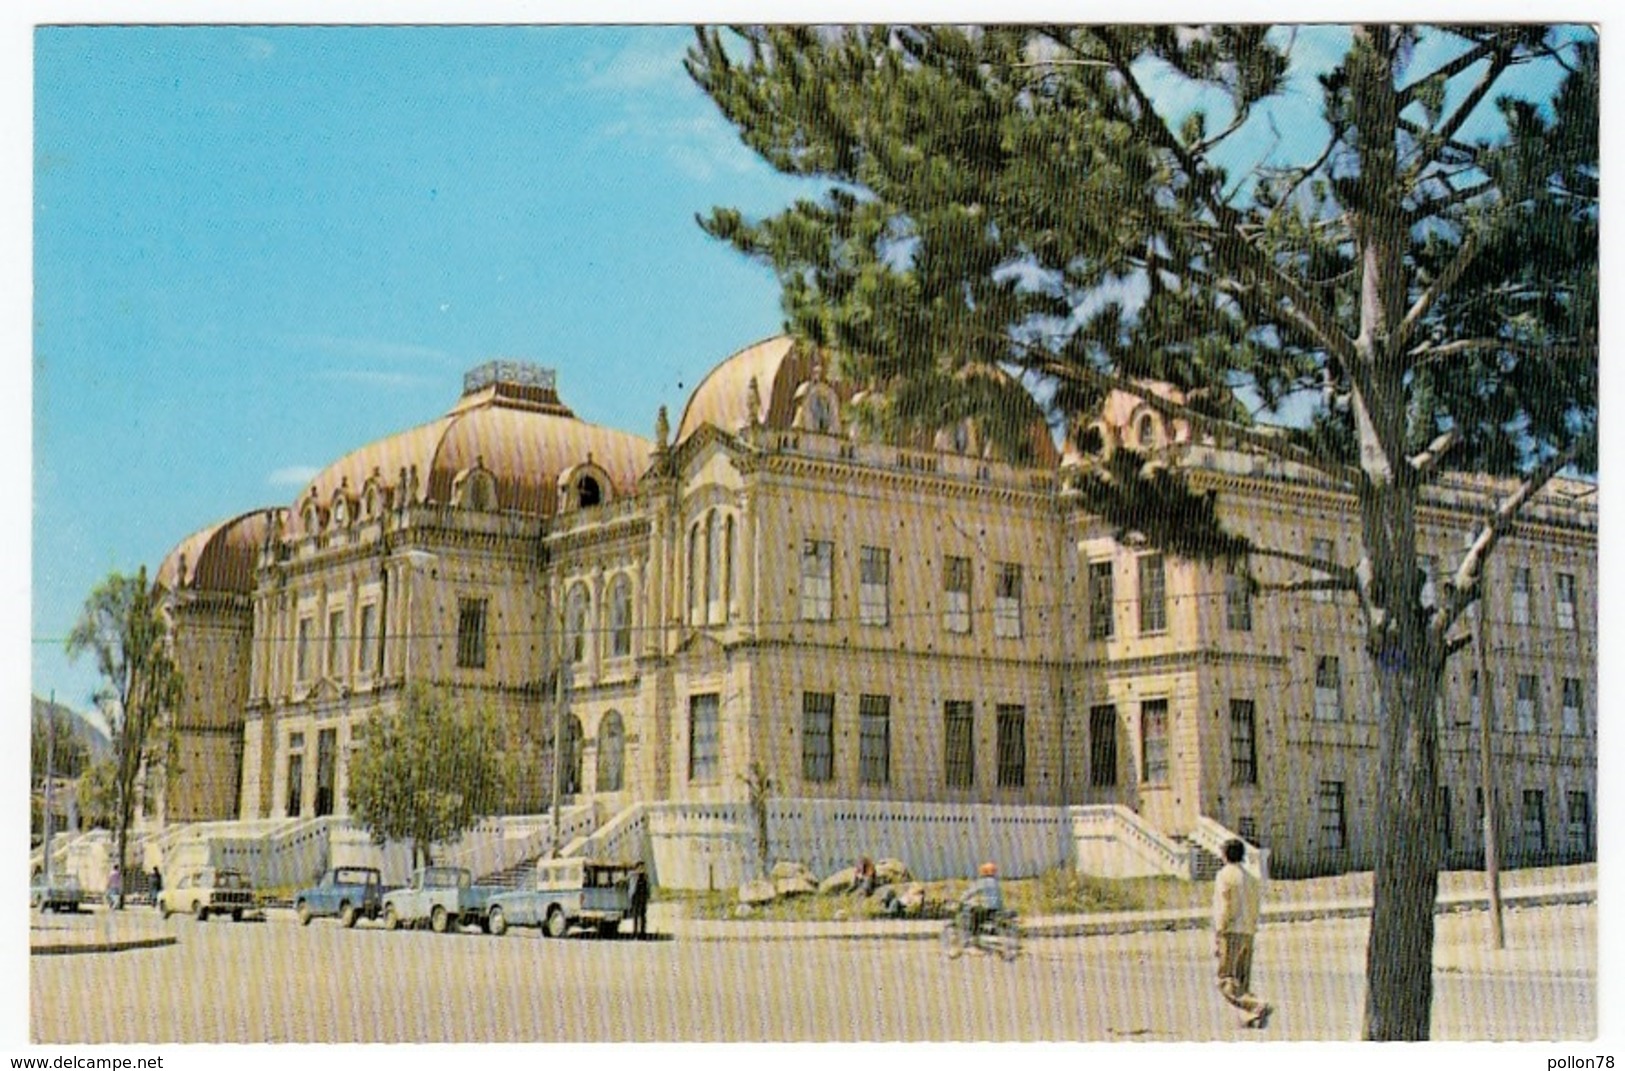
{"points": [[1428, 460], [1465, 254], [1427, 353], [1502, 59], [1463, 585], [1483, 50], [1321, 583], [1455, 197]]}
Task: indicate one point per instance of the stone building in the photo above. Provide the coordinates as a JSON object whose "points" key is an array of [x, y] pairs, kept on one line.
{"points": [[769, 589]]}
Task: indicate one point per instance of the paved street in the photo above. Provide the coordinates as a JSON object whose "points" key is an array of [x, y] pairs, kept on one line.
{"points": [[275, 981]]}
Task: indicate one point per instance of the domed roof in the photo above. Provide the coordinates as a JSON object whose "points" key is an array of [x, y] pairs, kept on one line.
{"points": [[510, 424], [221, 557], [778, 365]]}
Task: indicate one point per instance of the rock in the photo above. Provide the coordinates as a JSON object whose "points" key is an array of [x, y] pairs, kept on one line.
{"points": [[758, 892], [838, 882], [892, 872], [743, 911], [792, 870], [912, 896], [795, 885]]}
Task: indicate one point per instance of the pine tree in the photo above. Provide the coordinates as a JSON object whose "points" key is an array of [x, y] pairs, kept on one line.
{"points": [[1041, 201]]}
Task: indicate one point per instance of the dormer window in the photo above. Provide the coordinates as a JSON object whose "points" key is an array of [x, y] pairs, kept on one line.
{"points": [[1148, 431], [584, 486], [587, 492]]}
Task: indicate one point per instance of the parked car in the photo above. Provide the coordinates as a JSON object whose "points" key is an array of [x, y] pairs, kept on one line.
{"points": [[62, 893], [209, 891], [444, 897], [349, 893], [592, 893]]}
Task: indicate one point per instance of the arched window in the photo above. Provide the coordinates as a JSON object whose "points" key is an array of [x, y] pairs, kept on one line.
{"points": [[713, 570], [570, 784], [729, 551], [588, 492], [1148, 430], [576, 608], [694, 567], [611, 775], [620, 617]]}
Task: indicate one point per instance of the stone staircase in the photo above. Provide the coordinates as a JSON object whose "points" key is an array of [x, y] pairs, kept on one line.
{"points": [[511, 877], [1204, 863]]}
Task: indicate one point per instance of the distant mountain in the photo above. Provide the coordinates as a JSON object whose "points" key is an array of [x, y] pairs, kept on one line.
{"points": [[94, 739]]}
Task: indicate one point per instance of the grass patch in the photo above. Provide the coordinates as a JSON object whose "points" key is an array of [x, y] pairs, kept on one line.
{"points": [[1054, 892]]}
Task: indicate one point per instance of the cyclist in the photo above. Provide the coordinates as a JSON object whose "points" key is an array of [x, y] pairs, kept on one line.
{"points": [[983, 902]]}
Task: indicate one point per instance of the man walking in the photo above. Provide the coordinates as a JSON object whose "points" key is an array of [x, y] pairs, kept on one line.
{"points": [[1236, 896]]}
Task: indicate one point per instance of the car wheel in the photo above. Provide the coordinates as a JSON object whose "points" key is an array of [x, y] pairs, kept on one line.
{"points": [[201, 912], [236, 914], [392, 921], [497, 921], [347, 916], [1009, 937], [438, 919], [556, 922], [302, 909], [608, 928]]}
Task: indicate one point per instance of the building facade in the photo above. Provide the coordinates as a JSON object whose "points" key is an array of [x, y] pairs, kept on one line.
{"points": [[766, 591]]}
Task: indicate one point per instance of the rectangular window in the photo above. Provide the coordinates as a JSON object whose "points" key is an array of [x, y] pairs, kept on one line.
{"points": [[1528, 704], [335, 630], [1154, 741], [1238, 602], [817, 736], [702, 737], [1328, 689], [817, 570], [296, 785], [367, 642], [1579, 831], [874, 739], [327, 741], [1102, 746], [1322, 550], [1520, 596], [1534, 822], [1153, 595], [1442, 818], [301, 672], [874, 586], [959, 743], [1567, 599], [1573, 706], [1100, 600], [471, 633], [1427, 565], [1243, 743], [956, 589], [1333, 828], [1007, 602], [1012, 746]]}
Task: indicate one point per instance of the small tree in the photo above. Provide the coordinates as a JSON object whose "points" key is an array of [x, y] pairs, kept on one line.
{"points": [[121, 625], [428, 771], [759, 789], [68, 754]]}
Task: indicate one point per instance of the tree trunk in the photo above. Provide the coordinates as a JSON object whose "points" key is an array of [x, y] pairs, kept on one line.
{"points": [[1399, 951]]}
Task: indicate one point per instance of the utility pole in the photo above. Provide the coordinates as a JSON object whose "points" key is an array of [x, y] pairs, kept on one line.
{"points": [[1486, 717], [50, 762]]}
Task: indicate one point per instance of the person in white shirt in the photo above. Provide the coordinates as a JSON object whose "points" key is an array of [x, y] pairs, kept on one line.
{"points": [[1236, 896]]}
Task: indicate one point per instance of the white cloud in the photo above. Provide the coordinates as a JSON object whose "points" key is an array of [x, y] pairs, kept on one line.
{"points": [[649, 59], [293, 476], [377, 379]]}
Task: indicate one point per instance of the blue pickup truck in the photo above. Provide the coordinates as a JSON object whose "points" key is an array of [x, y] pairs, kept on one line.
{"points": [[348, 893], [444, 897], [591, 893]]}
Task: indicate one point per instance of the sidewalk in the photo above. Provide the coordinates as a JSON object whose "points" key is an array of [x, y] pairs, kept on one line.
{"points": [[669, 918], [97, 930]]}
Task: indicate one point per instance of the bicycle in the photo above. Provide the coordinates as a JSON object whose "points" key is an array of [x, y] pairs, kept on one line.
{"points": [[995, 931]]}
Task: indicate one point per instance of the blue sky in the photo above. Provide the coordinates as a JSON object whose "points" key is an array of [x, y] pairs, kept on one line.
{"points": [[259, 247]]}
